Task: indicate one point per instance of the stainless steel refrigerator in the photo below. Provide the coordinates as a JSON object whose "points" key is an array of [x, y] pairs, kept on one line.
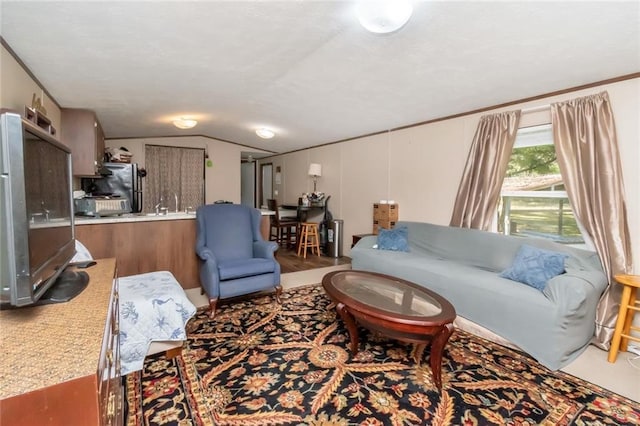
{"points": [[125, 180]]}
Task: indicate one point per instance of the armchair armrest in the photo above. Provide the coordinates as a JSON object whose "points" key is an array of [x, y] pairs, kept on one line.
{"points": [[264, 249], [205, 253], [209, 275]]}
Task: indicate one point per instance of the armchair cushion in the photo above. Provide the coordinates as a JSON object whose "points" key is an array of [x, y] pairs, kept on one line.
{"points": [[239, 268]]}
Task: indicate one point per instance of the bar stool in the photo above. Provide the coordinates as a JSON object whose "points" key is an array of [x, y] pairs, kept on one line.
{"points": [[309, 238], [629, 305]]}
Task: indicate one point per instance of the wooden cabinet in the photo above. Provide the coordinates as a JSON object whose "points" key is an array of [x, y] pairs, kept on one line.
{"points": [[82, 132], [61, 362], [110, 385], [146, 246]]}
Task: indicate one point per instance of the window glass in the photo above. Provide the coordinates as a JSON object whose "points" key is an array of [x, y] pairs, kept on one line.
{"points": [[533, 200]]}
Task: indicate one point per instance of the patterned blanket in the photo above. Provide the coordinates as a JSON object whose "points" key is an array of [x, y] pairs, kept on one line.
{"points": [[153, 307]]}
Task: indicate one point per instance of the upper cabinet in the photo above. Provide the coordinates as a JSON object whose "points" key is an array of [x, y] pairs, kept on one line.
{"points": [[81, 131]]}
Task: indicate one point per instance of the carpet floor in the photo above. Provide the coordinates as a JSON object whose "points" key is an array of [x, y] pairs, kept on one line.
{"points": [[260, 363]]}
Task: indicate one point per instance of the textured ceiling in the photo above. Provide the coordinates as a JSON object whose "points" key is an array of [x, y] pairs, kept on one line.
{"points": [[307, 69]]}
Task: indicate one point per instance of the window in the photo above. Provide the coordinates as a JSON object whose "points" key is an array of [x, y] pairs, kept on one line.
{"points": [[175, 178], [533, 200]]}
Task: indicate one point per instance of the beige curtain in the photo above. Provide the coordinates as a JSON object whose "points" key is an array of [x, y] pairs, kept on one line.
{"points": [[584, 134], [173, 172], [479, 189]]}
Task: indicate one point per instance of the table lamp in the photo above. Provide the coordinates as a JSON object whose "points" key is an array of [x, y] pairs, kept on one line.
{"points": [[315, 170]]}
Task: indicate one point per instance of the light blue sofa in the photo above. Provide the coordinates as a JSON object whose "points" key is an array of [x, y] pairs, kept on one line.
{"points": [[463, 265]]}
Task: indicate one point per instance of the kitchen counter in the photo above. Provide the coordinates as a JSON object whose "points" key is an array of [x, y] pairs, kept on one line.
{"points": [[140, 217], [144, 217]]}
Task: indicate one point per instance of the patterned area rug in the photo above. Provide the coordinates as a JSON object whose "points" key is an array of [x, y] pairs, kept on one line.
{"points": [[259, 363]]}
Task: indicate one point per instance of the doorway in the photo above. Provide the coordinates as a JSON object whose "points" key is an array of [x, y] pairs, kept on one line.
{"points": [[248, 183], [266, 183]]}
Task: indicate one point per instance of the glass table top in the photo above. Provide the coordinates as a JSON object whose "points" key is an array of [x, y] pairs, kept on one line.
{"points": [[387, 294]]}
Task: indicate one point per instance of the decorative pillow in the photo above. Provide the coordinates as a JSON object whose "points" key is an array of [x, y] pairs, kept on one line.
{"points": [[395, 239], [534, 267]]}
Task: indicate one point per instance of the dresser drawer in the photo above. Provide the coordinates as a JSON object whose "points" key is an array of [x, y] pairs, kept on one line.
{"points": [[110, 389]]}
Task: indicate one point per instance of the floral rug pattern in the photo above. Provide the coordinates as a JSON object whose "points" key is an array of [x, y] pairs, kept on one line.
{"points": [[259, 363]]}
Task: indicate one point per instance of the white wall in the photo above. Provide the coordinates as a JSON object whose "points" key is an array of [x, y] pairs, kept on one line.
{"points": [[17, 89], [420, 167], [222, 179]]}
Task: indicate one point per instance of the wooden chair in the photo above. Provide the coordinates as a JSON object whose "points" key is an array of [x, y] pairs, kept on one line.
{"points": [[282, 231]]}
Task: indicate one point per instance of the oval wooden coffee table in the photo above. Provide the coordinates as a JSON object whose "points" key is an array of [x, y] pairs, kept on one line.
{"points": [[394, 307]]}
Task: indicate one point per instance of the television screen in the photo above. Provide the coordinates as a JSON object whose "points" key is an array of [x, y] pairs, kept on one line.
{"points": [[36, 220], [47, 197]]}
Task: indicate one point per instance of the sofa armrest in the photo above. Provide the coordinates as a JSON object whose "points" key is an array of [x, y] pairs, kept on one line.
{"points": [[366, 242], [575, 288]]}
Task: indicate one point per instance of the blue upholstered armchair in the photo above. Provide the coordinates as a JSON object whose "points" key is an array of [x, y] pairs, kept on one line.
{"points": [[235, 259]]}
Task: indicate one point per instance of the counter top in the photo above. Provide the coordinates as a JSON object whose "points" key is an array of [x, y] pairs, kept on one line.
{"points": [[144, 217], [140, 217], [49, 344]]}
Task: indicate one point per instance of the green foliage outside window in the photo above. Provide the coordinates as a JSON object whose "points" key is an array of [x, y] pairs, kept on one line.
{"points": [[533, 161], [544, 217]]}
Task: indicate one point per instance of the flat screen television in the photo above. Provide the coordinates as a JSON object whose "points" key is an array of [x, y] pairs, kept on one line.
{"points": [[36, 211]]}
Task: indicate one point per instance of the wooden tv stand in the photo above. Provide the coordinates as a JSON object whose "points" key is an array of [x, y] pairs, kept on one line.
{"points": [[61, 363]]}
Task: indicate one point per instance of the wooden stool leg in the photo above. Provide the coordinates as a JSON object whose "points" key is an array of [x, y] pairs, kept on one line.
{"points": [[622, 316], [303, 240], [298, 237], [624, 342], [317, 240], [307, 234]]}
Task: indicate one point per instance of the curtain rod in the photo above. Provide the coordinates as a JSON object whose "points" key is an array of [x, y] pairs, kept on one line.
{"points": [[535, 109]]}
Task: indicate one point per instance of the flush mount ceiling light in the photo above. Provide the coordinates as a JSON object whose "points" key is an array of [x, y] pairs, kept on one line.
{"points": [[185, 123], [383, 16], [265, 133]]}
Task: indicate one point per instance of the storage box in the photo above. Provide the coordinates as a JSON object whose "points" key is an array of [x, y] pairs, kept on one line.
{"points": [[385, 212], [386, 224]]}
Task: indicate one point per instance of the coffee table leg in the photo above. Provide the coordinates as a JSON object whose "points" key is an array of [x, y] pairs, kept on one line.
{"points": [[437, 347], [351, 326], [418, 352]]}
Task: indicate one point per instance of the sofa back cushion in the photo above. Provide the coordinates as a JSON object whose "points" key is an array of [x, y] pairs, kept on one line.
{"points": [[487, 250]]}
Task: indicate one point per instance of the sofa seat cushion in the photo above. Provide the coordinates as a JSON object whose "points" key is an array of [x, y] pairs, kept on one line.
{"points": [[239, 268]]}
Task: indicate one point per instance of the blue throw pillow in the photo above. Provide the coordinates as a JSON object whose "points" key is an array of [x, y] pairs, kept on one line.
{"points": [[395, 239], [534, 267]]}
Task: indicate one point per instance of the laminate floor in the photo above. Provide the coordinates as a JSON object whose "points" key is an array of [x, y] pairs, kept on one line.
{"points": [[291, 262]]}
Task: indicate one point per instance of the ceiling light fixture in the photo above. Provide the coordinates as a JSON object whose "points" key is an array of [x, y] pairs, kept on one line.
{"points": [[383, 16], [265, 133], [185, 123]]}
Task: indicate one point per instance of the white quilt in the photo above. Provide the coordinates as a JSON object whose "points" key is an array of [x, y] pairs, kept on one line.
{"points": [[153, 306]]}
